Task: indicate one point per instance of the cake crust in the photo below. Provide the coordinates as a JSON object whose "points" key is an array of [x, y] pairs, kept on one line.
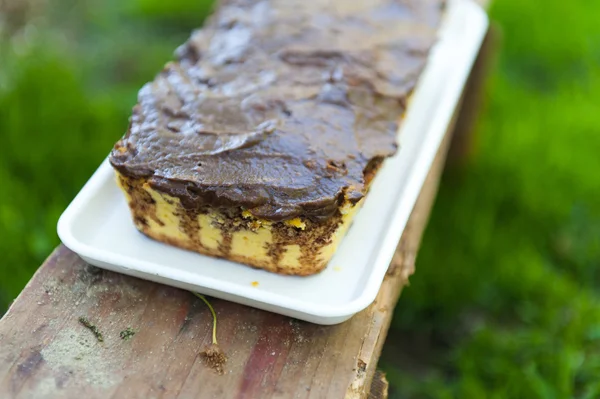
{"points": [[297, 247]]}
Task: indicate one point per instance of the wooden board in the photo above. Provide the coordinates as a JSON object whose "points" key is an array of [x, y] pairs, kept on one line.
{"points": [[47, 352]]}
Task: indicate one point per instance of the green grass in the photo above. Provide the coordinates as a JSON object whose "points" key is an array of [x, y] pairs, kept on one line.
{"points": [[505, 301], [67, 85]]}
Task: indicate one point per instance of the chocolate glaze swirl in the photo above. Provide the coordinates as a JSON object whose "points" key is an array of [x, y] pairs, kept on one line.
{"points": [[280, 106]]}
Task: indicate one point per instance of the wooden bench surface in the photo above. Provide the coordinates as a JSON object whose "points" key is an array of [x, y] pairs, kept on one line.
{"points": [[46, 352]]}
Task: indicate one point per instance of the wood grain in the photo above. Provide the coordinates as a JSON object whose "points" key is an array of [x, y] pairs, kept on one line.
{"points": [[46, 352], [462, 146], [379, 387]]}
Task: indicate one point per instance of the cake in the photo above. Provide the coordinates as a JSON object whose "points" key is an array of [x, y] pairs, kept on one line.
{"points": [[259, 142]]}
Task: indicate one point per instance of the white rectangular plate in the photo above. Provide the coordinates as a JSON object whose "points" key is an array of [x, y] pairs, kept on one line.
{"points": [[97, 224]]}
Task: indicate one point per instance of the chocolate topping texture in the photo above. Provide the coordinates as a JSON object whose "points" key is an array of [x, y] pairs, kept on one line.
{"points": [[279, 107]]}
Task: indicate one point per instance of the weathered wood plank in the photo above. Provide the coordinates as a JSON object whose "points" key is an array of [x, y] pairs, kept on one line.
{"points": [[46, 352], [462, 144], [379, 387]]}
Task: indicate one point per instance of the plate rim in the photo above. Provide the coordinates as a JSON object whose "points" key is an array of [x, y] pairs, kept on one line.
{"points": [[325, 313]]}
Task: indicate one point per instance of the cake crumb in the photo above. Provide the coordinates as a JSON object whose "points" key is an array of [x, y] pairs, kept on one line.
{"points": [[297, 223], [255, 283], [337, 269]]}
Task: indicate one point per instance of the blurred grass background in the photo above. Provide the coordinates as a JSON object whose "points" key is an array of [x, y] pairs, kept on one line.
{"points": [[505, 301]]}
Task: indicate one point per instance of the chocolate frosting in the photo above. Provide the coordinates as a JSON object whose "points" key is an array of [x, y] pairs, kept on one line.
{"points": [[280, 106]]}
